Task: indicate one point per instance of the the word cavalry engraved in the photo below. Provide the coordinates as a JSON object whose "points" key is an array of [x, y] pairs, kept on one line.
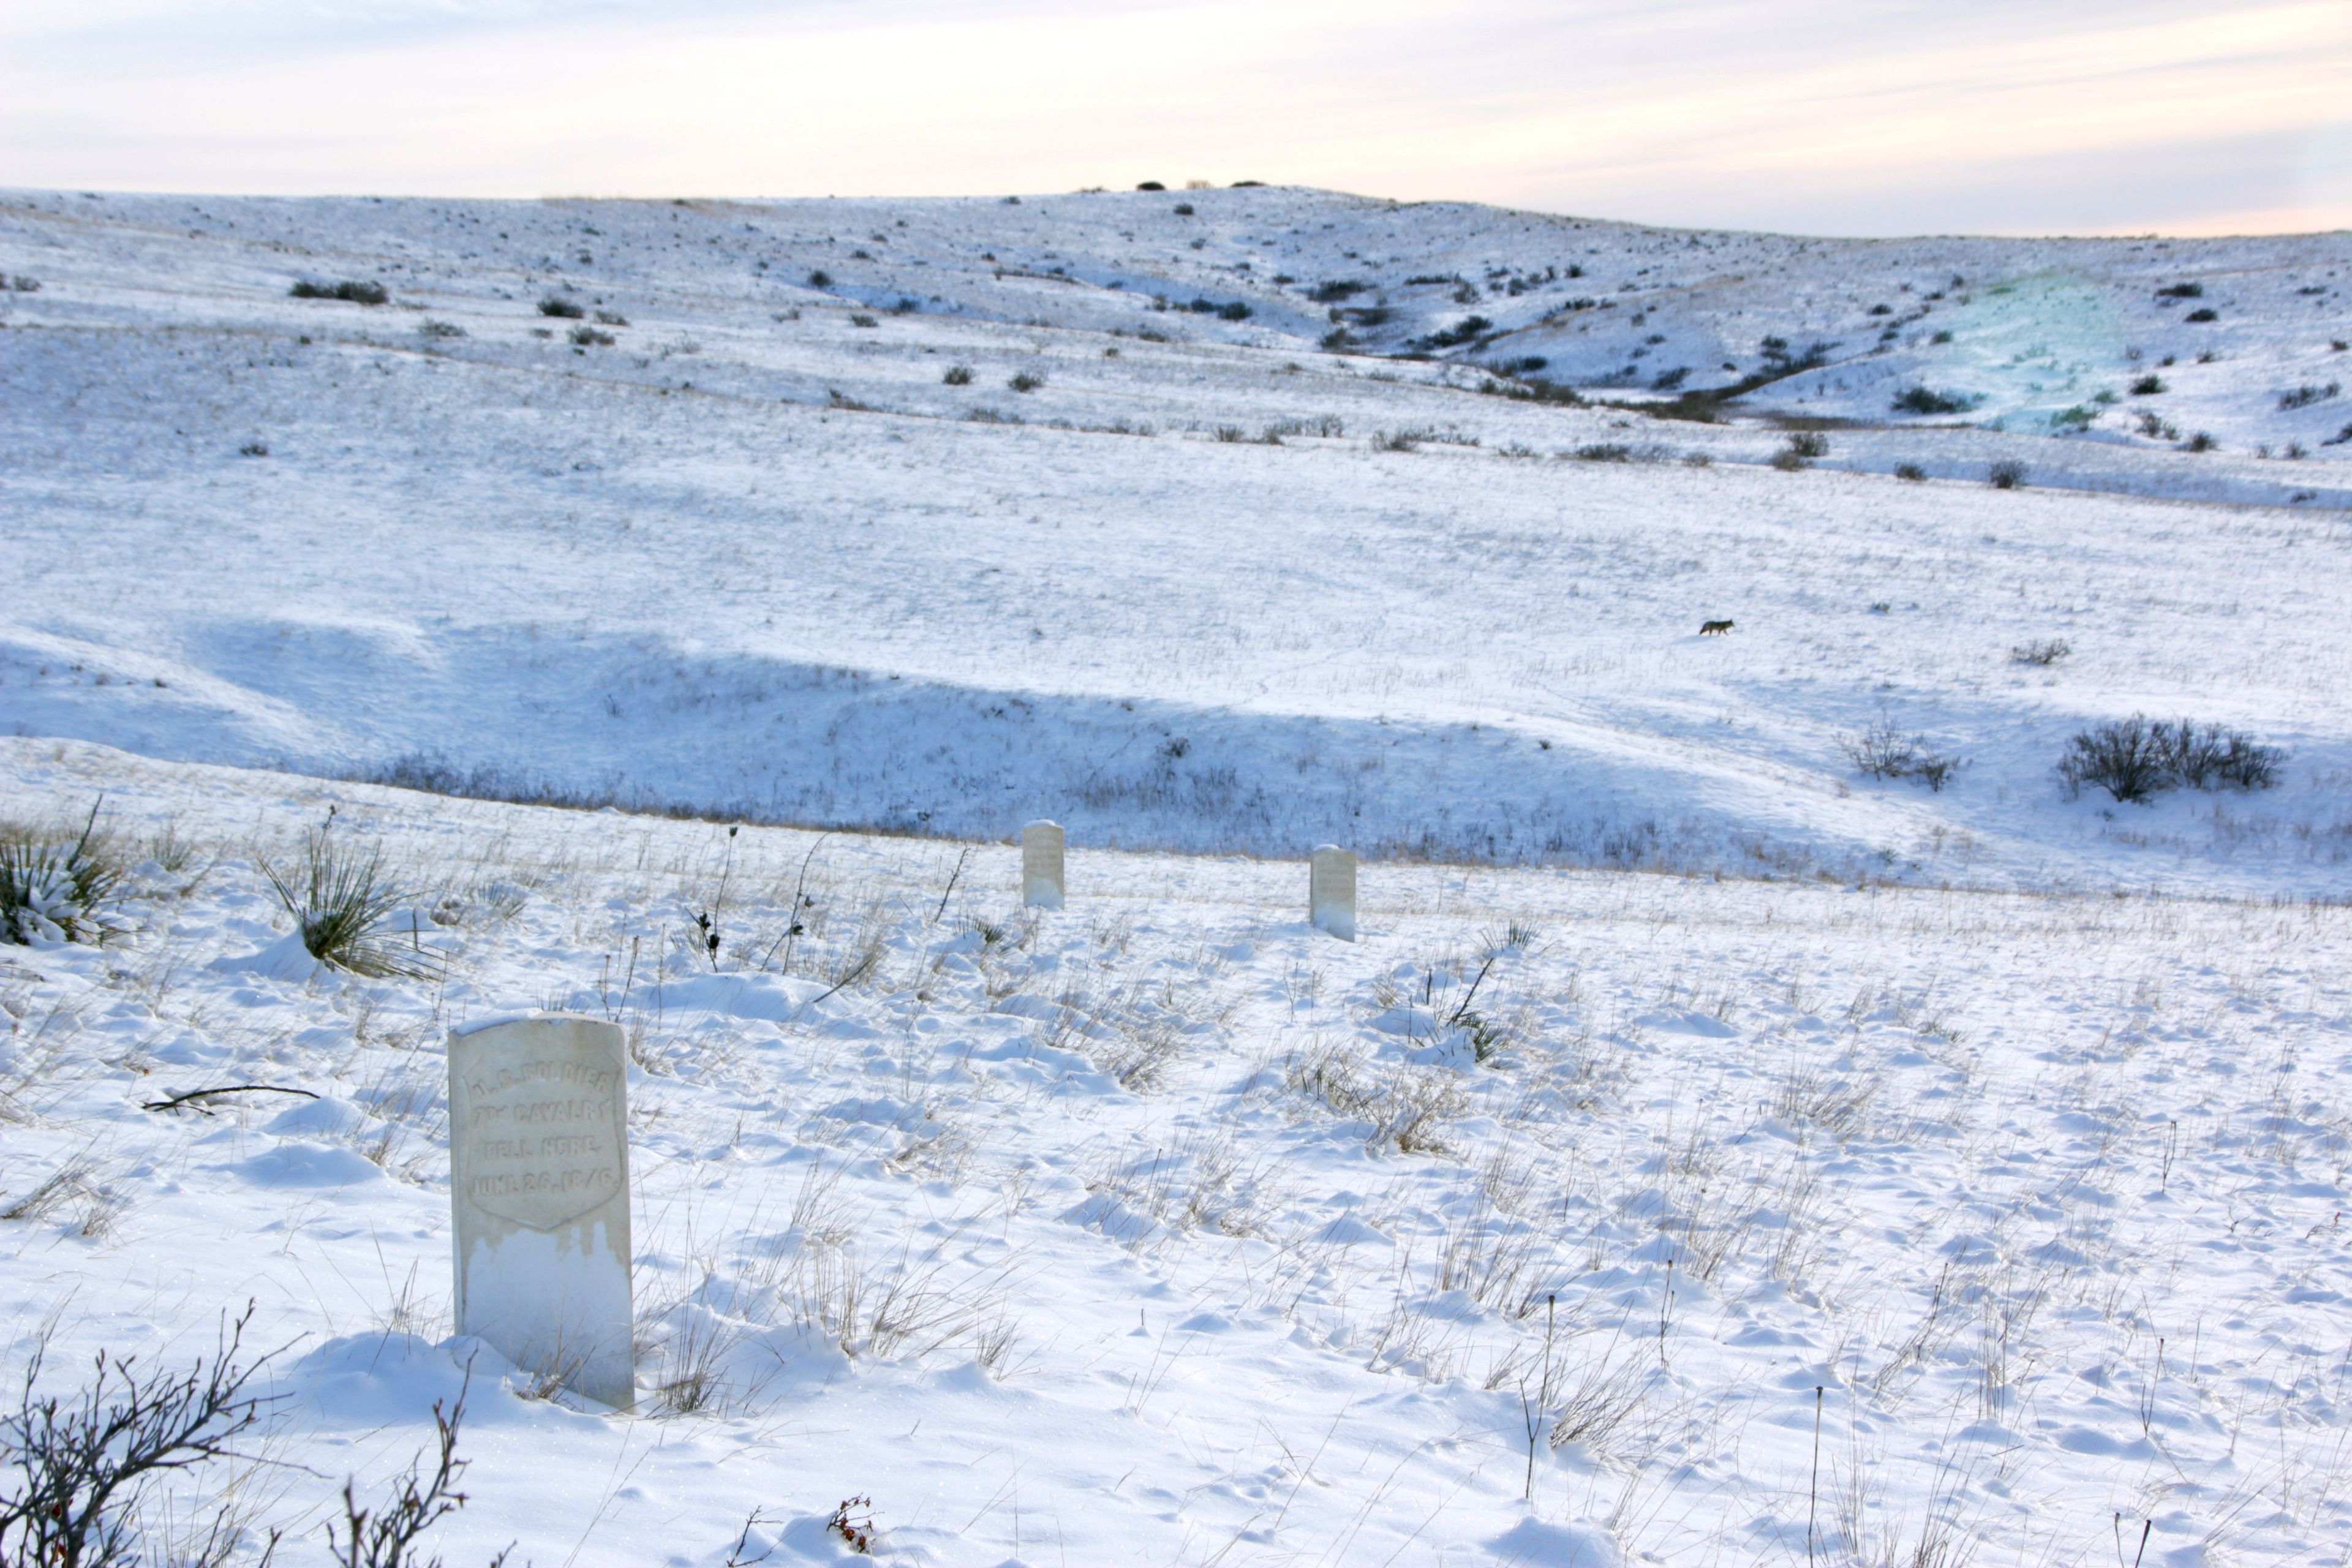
{"points": [[545, 1138], [538, 1195]]}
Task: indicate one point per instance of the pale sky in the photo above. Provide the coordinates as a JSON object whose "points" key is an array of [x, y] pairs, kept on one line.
{"points": [[1822, 116]]}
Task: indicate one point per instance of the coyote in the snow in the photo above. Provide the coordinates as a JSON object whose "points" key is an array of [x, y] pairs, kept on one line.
{"points": [[1715, 628]]}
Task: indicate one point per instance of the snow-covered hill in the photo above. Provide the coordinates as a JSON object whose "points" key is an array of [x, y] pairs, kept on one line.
{"points": [[1171, 560]]}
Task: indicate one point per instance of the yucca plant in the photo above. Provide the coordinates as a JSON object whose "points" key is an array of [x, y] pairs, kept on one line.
{"points": [[58, 890], [337, 896]]}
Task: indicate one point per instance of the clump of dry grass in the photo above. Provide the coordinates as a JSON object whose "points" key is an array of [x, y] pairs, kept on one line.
{"points": [[338, 896], [57, 887], [1408, 1107]]}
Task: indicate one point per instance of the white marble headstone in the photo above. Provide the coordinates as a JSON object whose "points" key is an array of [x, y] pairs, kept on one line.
{"points": [[539, 1191], [1331, 890], [1041, 864]]}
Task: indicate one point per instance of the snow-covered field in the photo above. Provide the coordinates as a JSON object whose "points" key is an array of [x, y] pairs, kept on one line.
{"points": [[1709, 1155], [1164, 1230], [756, 558]]}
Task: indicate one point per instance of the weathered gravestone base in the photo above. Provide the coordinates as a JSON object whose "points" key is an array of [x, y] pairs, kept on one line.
{"points": [[1041, 864], [539, 1191], [1331, 890]]}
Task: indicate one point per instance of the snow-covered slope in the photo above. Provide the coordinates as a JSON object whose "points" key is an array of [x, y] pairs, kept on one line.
{"points": [[1161, 563], [1708, 1222]]}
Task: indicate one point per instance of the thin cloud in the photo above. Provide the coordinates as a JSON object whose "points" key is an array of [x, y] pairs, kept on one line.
{"points": [[1833, 117]]}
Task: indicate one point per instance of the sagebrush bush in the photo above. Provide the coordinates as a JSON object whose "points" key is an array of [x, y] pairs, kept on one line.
{"points": [[1920, 400], [2122, 757], [2212, 757], [1882, 752], [2134, 758], [1911, 471], [958, 375], [2006, 475], [339, 895], [1803, 448], [2043, 653], [357, 293], [58, 887], [557, 305], [2148, 387], [1024, 381], [1460, 333], [587, 336]]}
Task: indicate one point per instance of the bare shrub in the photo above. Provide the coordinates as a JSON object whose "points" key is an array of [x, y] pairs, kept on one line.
{"points": [[386, 1536], [85, 1463], [1882, 752], [556, 305], [958, 375], [2133, 758], [1328, 425], [2043, 653], [2208, 756], [1923, 400], [350, 289], [2006, 475]]}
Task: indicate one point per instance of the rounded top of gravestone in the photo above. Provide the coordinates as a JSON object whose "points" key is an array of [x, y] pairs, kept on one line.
{"points": [[1040, 822], [497, 1020]]}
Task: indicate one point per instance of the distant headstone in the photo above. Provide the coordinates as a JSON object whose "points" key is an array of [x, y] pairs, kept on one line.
{"points": [[1331, 890], [1041, 864], [539, 1191]]}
